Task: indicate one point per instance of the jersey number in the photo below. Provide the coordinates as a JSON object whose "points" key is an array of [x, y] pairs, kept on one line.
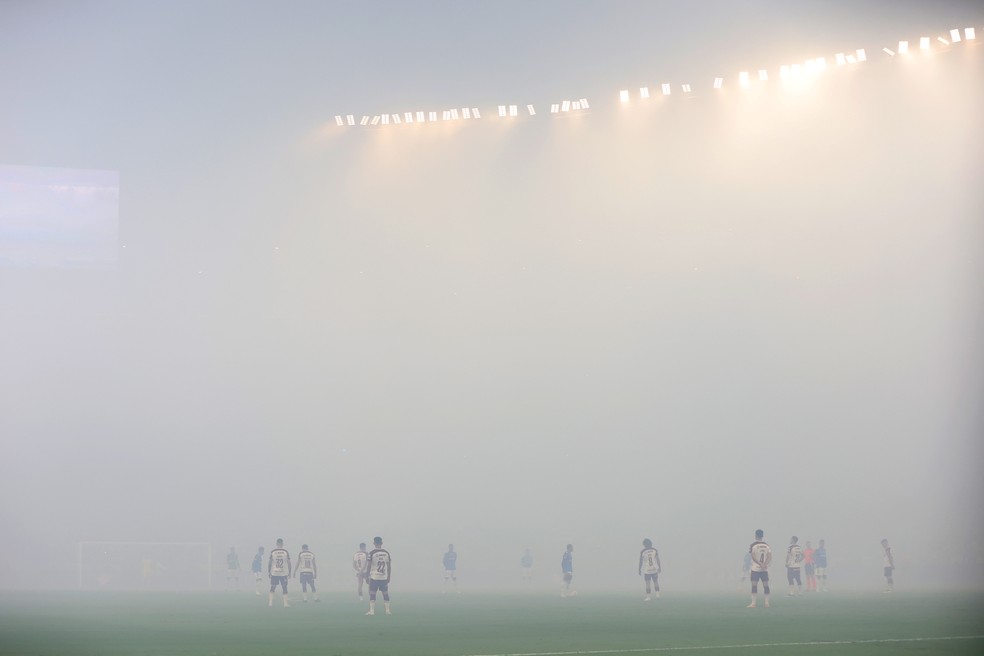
{"points": [[381, 567]]}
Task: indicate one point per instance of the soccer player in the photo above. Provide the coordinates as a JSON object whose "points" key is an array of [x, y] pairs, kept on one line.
{"points": [[451, 568], [232, 568], [794, 562], [650, 566], [258, 569], [889, 566], [379, 568], [821, 557], [359, 562], [307, 570], [761, 554], [809, 567], [746, 567], [567, 568], [526, 562], [278, 568]]}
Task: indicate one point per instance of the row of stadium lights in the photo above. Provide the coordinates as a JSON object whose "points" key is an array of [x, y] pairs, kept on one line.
{"points": [[786, 72]]}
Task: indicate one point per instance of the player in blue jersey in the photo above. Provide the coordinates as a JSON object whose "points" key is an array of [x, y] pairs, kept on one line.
{"points": [[820, 556], [567, 569], [526, 562], [451, 568], [232, 568], [258, 569], [359, 562]]}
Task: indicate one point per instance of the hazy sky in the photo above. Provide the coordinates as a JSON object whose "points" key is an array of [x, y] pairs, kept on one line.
{"points": [[682, 321]]}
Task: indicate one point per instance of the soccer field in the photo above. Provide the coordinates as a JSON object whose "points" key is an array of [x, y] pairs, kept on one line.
{"points": [[212, 624]]}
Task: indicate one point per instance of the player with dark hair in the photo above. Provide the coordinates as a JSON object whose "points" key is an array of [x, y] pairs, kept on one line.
{"points": [[258, 569], [278, 568], [650, 567], [359, 562], [889, 567], [567, 569], [450, 562], [307, 571], [794, 563], [379, 569], [232, 568], [809, 567], [761, 554]]}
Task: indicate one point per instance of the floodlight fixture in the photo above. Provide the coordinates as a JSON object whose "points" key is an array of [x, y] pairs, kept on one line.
{"points": [[666, 89], [350, 119], [821, 63], [396, 119], [718, 82], [475, 113], [565, 106], [584, 104], [513, 110], [903, 47], [862, 56], [465, 113], [375, 120], [839, 58], [686, 88], [970, 33], [784, 71], [576, 105], [386, 119], [445, 115], [743, 78], [531, 110], [454, 114], [890, 53], [942, 40], [432, 116], [554, 108], [644, 92], [364, 121], [623, 95], [408, 117], [340, 121], [502, 111], [795, 70], [924, 43], [851, 59], [955, 36], [763, 75]]}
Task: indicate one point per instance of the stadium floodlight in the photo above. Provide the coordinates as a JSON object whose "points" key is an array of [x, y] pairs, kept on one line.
{"points": [[839, 58], [386, 119], [531, 109], [955, 36], [784, 72], [408, 117], [421, 117], [862, 56], [454, 114], [350, 119], [970, 34], [375, 120], [763, 75], [743, 78], [340, 121], [666, 89], [851, 59], [513, 110], [565, 106], [644, 92], [623, 95], [432, 116], [809, 66], [718, 82], [821, 63], [396, 119], [446, 115], [502, 111], [924, 43], [903, 47], [475, 113], [584, 103], [942, 40], [888, 52], [364, 121], [576, 105], [465, 113], [554, 108], [686, 88]]}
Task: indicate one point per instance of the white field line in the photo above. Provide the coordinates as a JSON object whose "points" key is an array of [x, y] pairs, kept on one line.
{"points": [[815, 643]]}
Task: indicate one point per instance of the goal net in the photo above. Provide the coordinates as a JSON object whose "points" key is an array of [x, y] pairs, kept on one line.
{"points": [[145, 565]]}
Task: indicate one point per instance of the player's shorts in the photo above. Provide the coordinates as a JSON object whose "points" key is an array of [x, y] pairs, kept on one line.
{"points": [[888, 572], [809, 569], [258, 575], [760, 576], [793, 575], [652, 577], [381, 586], [528, 571], [450, 573], [282, 580], [307, 578], [232, 573], [568, 576], [821, 571]]}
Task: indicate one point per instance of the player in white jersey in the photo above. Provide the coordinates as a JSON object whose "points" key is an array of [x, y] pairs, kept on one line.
{"points": [[889, 562], [794, 564], [307, 571], [650, 567], [761, 554], [379, 569], [278, 568], [359, 561], [232, 568]]}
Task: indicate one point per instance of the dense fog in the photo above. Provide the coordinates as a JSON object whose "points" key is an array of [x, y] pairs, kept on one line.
{"points": [[682, 319]]}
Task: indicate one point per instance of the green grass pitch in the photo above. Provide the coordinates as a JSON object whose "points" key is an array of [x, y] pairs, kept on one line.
{"points": [[241, 624]]}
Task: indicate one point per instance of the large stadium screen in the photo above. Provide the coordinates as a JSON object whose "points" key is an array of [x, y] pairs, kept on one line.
{"points": [[58, 218]]}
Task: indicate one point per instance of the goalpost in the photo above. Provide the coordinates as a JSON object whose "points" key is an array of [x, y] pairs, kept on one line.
{"points": [[145, 565]]}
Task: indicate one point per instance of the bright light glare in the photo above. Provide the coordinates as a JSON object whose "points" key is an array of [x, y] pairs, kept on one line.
{"points": [[475, 112], [784, 72], [903, 47], [408, 117], [851, 59], [623, 95], [955, 36], [364, 121], [763, 75], [924, 43], [666, 89], [502, 111], [554, 108], [454, 114], [718, 82], [531, 110], [942, 40], [375, 120], [643, 92], [396, 119], [743, 78], [351, 119], [686, 88], [339, 120], [821, 63], [584, 104], [576, 105], [970, 34], [565, 106], [888, 52], [386, 119], [839, 58], [513, 110], [421, 117], [445, 115], [432, 116], [861, 55]]}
